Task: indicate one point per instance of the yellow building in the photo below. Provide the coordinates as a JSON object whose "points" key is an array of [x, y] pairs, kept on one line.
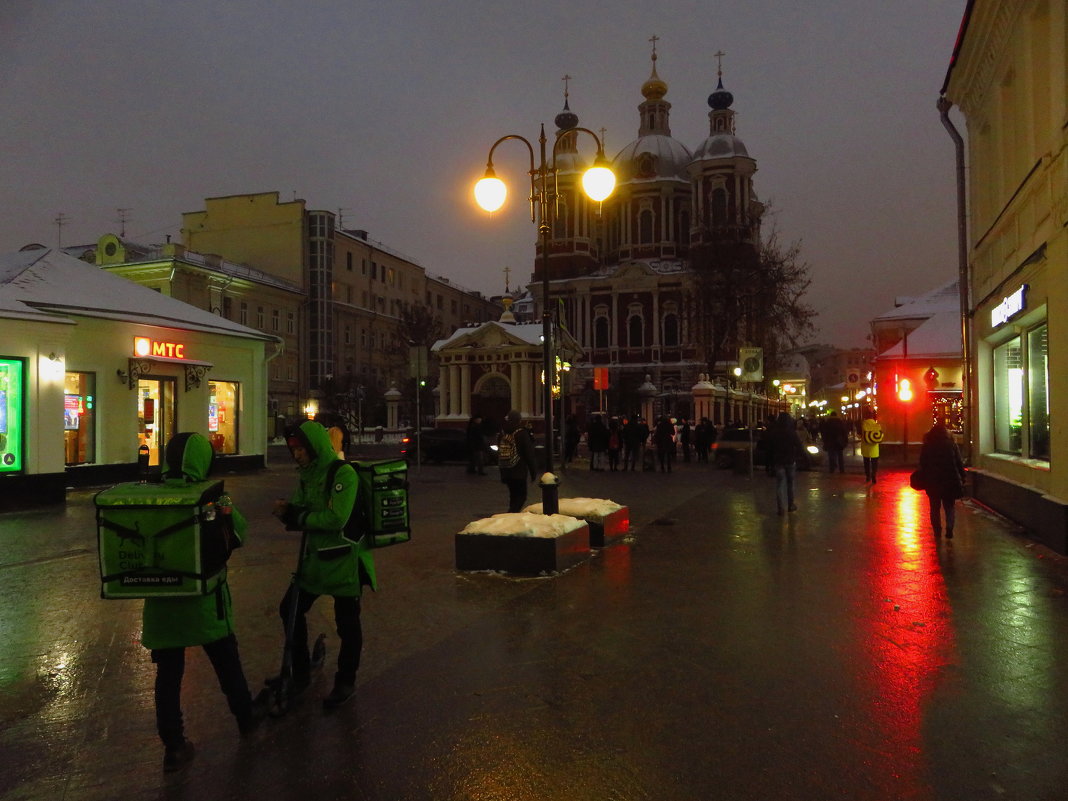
{"points": [[363, 302], [1007, 77]]}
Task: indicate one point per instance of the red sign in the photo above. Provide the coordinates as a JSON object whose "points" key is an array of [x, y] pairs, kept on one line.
{"points": [[143, 346], [600, 378]]}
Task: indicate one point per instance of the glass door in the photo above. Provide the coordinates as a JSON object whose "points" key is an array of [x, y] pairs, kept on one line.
{"points": [[155, 415]]}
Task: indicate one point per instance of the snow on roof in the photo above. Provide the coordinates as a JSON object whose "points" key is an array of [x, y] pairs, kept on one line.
{"points": [[594, 510], [941, 299], [50, 282], [939, 335], [527, 333], [524, 524]]}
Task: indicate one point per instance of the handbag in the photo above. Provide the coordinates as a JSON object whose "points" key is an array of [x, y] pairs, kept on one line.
{"points": [[917, 481]]}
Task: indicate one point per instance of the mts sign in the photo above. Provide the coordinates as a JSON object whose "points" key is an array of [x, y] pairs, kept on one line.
{"points": [[143, 346]]}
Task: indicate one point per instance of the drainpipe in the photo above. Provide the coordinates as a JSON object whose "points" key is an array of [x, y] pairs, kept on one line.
{"points": [[944, 105]]}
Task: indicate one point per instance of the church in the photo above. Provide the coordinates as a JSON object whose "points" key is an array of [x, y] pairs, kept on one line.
{"points": [[636, 284], [626, 279]]}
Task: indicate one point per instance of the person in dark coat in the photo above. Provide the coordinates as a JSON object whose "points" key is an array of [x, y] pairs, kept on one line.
{"points": [[615, 443], [835, 437], [476, 446], [597, 442], [664, 439], [943, 476], [685, 439], [704, 435], [572, 435], [635, 433], [516, 459], [784, 449]]}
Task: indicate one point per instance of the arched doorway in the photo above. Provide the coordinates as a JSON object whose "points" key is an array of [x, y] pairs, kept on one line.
{"points": [[492, 399]]}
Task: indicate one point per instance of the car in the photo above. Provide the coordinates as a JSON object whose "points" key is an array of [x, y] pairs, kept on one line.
{"points": [[439, 445]]}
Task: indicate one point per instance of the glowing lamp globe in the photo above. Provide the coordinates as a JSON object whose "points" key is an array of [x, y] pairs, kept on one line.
{"points": [[598, 182], [490, 193]]}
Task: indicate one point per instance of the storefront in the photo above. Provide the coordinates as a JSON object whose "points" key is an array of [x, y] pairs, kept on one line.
{"points": [[82, 389]]}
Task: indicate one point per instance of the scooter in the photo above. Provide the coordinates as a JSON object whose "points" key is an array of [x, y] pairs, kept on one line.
{"points": [[278, 695]]}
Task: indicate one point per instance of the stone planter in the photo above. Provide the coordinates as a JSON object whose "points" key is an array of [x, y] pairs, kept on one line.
{"points": [[518, 552], [605, 526]]}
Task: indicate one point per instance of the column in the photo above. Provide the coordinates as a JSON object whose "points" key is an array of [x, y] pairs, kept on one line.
{"points": [[465, 389], [454, 390], [443, 390]]}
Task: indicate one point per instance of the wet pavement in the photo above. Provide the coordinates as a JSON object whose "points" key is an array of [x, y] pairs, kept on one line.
{"points": [[720, 652]]}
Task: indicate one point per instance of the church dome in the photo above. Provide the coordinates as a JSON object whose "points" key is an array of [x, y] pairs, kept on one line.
{"points": [[720, 146], [650, 158]]}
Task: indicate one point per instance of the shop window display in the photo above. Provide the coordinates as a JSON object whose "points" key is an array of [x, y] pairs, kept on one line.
{"points": [[222, 416], [79, 418]]}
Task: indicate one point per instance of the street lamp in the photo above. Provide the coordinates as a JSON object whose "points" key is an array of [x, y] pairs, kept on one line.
{"points": [[490, 193]]}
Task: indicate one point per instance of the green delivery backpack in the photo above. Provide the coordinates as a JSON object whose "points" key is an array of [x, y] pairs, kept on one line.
{"points": [[162, 540], [381, 510]]}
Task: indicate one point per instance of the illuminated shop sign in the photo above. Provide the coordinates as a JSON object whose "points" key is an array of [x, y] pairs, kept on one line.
{"points": [[1010, 306], [147, 348]]}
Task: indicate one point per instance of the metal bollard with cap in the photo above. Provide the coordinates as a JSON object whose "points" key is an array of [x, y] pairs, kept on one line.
{"points": [[550, 493]]}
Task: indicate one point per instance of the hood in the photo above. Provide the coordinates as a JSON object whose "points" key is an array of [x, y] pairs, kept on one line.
{"points": [[189, 456], [316, 440]]}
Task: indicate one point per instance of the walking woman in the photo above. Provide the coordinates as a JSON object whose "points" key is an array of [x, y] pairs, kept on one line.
{"points": [[871, 434], [943, 476]]}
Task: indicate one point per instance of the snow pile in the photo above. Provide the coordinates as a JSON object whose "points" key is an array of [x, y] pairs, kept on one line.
{"points": [[524, 524], [594, 510]]}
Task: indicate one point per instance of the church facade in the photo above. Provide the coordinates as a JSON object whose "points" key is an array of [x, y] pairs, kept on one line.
{"points": [[629, 280]]}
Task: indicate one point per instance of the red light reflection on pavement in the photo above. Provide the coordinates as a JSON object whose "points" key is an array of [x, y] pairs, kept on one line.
{"points": [[909, 636]]}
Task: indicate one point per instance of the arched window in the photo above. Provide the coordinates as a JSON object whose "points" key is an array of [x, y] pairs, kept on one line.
{"points": [[635, 326], [670, 326], [719, 206], [645, 227], [600, 328]]}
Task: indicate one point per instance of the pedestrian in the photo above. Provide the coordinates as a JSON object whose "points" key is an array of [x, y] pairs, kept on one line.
{"points": [[943, 476], [615, 443], [871, 434], [170, 625], [685, 439], [835, 437], [664, 440], [572, 435], [516, 459], [597, 442], [704, 435], [476, 446], [784, 449], [332, 564], [635, 432]]}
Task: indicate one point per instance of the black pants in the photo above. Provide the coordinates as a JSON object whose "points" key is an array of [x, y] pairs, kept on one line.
{"points": [[517, 493], [349, 632], [871, 467], [170, 667]]}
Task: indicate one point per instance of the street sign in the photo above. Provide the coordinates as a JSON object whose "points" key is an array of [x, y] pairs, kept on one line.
{"points": [[852, 378], [417, 361], [751, 360]]}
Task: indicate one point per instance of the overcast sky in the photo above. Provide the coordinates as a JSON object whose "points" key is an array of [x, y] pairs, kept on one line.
{"points": [[387, 109]]}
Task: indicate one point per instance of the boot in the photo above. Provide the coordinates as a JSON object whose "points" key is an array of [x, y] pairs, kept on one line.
{"points": [[178, 756], [343, 691]]}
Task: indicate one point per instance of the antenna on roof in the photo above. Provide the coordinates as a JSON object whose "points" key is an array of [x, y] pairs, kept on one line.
{"points": [[123, 217], [60, 221]]}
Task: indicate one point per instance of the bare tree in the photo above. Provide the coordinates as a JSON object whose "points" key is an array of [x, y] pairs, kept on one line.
{"points": [[749, 294]]}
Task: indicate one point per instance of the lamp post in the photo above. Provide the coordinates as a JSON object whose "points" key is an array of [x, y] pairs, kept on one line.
{"points": [[490, 193]]}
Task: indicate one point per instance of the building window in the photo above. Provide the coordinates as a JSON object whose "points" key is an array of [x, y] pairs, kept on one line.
{"points": [[79, 418], [276, 320], [259, 317], [1008, 397], [291, 323], [600, 333], [671, 330], [228, 308], [348, 262], [635, 329], [1038, 393], [348, 335], [645, 227], [222, 415], [243, 316]]}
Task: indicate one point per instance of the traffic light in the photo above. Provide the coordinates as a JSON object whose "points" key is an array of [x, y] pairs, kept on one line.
{"points": [[904, 390]]}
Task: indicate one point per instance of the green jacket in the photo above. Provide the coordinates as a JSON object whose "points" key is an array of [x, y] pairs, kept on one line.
{"points": [[333, 564], [183, 622]]}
